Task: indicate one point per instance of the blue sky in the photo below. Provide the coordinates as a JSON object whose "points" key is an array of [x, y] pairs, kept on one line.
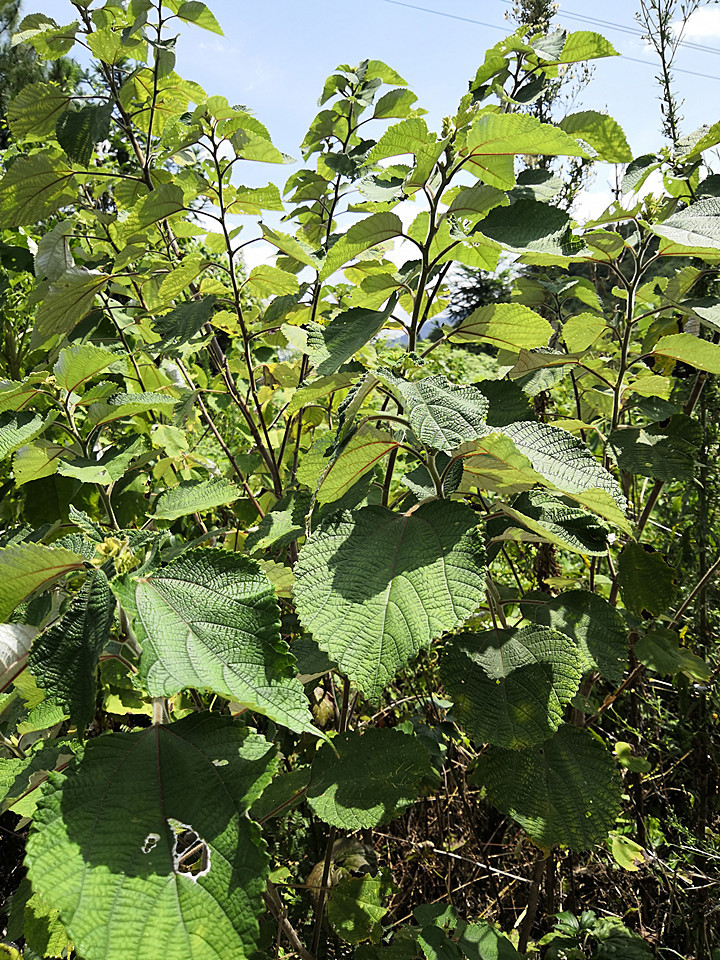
{"points": [[276, 54]]}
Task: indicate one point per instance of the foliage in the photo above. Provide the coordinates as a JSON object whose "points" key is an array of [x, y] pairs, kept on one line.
{"points": [[271, 554]]}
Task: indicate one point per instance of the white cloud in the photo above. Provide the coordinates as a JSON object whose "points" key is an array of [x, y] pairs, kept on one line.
{"points": [[704, 24]]}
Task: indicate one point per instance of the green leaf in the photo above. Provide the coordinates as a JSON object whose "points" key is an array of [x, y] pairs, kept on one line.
{"points": [[364, 450], [64, 658], [597, 627], [530, 226], [696, 227], [253, 200], [318, 389], [78, 131], [367, 233], [626, 853], [513, 134], [195, 496], [109, 836], [665, 453], [290, 247], [553, 519], [509, 687], [26, 567], [646, 581], [495, 463], [586, 45], [602, 133], [407, 137], [198, 13], [566, 464], [159, 204], [508, 325], [79, 363], [17, 429], [442, 414], [210, 620], [68, 301], [184, 322], [355, 908], [332, 346], [375, 587], [33, 113], [283, 524], [36, 460], [265, 281], [15, 640], [34, 187], [616, 942], [563, 791], [660, 650], [481, 941], [360, 781], [701, 354], [395, 103], [20, 778]]}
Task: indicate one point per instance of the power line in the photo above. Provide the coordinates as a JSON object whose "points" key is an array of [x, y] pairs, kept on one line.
{"points": [[450, 16], [494, 26], [624, 28]]}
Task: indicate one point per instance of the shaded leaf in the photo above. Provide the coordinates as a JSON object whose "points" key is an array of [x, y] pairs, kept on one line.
{"points": [[646, 581], [563, 791], [25, 567], [509, 687], [195, 496], [364, 780], [64, 658]]}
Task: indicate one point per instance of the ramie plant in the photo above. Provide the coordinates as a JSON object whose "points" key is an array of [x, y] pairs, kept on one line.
{"points": [[222, 486]]}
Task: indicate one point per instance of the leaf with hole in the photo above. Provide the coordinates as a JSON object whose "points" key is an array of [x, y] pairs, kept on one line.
{"points": [[182, 875]]}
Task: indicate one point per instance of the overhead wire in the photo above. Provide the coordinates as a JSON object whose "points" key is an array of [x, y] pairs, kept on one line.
{"points": [[623, 28], [494, 26]]}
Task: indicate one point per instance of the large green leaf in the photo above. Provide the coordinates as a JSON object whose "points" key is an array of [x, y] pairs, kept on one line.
{"points": [[597, 627], [34, 187], [696, 227], [508, 325], [78, 131], [210, 620], [331, 346], [33, 113], [79, 363], [362, 781], [64, 658], [367, 233], [510, 686], [563, 791], [195, 496], [662, 452], [495, 463], [566, 464], [442, 414], [698, 353], [645, 579], [530, 226], [68, 301], [25, 567], [375, 587], [355, 905], [112, 838], [586, 45], [364, 450], [602, 133], [496, 135]]}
